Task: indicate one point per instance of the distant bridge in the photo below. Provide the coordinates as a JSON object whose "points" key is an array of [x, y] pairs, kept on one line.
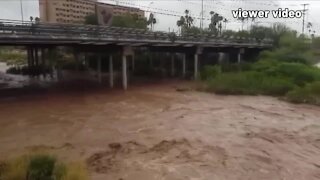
{"points": [[89, 38]]}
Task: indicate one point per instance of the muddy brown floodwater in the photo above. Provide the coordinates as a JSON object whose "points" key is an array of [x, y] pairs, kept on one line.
{"points": [[154, 132]]}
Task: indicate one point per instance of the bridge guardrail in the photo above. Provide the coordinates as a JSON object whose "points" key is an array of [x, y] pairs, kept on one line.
{"points": [[46, 29]]}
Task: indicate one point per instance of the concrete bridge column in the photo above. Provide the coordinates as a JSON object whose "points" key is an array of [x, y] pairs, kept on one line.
{"points": [[151, 61], [99, 69], [43, 62], [196, 62], [36, 54], [172, 65], [29, 51], [76, 58], [124, 72], [43, 57], [241, 51], [127, 51], [184, 65], [32, 56], [111, 72], [133, 63]]}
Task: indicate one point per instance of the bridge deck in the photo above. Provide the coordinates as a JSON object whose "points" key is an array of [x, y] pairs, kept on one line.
{"points": [[17, 33]]}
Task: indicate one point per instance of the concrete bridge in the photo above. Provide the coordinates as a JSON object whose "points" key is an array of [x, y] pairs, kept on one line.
{"points": [[36, 37]]}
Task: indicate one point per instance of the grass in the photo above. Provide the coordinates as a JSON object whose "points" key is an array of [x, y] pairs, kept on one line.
{"points": [[297, 82], [249, 83], [13, 57], [309, 94], [41, 167], [209, 72]]}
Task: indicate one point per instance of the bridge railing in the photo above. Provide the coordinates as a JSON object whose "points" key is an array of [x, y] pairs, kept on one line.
{"points": [[93, 31]]}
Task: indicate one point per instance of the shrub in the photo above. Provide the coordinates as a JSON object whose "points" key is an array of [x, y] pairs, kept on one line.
{"points": [[235, 67], [249, 83], [75, 171], [276, 86], [301, 74], [15, 169], [42, 167], [209, 72], [308, 94]]}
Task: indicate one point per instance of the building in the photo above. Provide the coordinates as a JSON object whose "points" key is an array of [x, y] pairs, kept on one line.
{"points": [[75, 11], [66, 11], [105, 12]]}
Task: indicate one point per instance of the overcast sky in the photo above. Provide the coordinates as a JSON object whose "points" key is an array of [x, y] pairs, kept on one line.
{"points": [[167, 12]]}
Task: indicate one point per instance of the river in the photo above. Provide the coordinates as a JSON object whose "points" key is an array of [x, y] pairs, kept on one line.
{"points": [[153, 132]]}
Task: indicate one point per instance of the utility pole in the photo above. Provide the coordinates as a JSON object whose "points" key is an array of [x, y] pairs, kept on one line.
{"points": [[21, 8], [201, 22], [304, 15]]}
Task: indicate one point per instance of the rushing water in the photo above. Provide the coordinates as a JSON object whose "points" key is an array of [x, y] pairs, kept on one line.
{"points": [[154, 132]]}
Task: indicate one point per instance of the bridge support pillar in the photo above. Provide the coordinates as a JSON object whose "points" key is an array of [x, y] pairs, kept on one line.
{"points": [[32, 57], [29, 51], [110, 71], [76, 59], [133, 63], [184, 65], [43, 57], [36, 54], [151, 61], [99, 69], [127, 51], [124, 72], [196, 62], [241, 51], [239, 58], [172, 65]]}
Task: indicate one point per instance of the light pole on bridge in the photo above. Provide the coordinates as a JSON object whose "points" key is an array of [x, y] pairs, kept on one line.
{"points": [[21, 8]]}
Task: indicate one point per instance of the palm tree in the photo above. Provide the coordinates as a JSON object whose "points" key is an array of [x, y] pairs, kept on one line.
{"points": [[242, 19], [215, 20], [309, 27], [37, 20], [186, 12], [188, 18], [225, 23], [181, 23], [212, 13], [253, 19], [151, 21]]}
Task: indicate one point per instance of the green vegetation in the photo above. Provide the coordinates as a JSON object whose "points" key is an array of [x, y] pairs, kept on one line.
{"points": [[130, 21], [308, 94], [286, 71], [91, 19], [12, 56], [266, 77], [41, 167], [250, 83], [209, 72]]}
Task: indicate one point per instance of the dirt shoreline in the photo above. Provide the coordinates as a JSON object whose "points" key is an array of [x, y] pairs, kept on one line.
{"points": [[155, 132]]}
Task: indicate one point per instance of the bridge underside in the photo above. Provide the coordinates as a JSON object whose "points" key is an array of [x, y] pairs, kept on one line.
{"points": [[111, 41], [181, 57]]}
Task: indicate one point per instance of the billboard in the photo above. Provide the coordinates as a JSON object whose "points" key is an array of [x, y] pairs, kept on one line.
{"points": [[104, 14]]}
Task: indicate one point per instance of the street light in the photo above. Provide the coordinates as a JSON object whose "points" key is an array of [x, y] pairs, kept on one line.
{"points": [[21, 7], [149, 6]]}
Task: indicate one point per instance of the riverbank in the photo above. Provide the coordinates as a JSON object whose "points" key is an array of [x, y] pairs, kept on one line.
{"points": [[155, 132]]}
